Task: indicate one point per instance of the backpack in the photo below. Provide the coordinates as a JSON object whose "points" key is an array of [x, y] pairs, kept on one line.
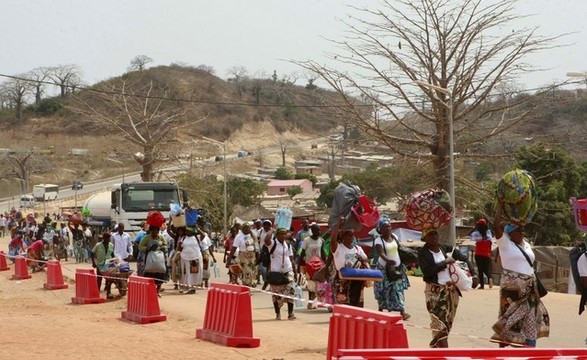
{"points": [[574, 256]]}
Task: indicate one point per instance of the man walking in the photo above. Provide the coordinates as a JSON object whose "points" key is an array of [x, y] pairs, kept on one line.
{"points": [[122, 243]]}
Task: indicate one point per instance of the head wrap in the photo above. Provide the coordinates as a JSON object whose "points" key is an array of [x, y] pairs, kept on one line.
{"points": [[481, 221], [510, 228], [384, 220], [426, 232], [190, 228], [267, 221], [280, 229]]}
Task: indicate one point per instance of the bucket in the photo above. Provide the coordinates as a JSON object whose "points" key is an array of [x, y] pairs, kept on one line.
{"points": [[178, 221], [191, 217]]}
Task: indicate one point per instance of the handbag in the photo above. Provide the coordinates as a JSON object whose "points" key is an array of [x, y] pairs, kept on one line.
{"points": [[277, 278], [155, 262], [539, 286], [366, 212], [393, 272], [460, 276]]}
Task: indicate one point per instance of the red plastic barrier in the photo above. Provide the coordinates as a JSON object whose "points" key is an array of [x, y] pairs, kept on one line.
{"points": [[456, 353], [54, 276], [21, 269], [3, 264], [142, 302], [228, 319], [86, 288], [356, 328]]}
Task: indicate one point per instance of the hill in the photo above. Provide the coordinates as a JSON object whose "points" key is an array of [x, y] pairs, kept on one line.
{"points": [[247, 114]]}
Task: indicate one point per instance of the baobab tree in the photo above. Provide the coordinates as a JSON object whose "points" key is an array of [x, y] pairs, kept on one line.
{"points": [[458, 47], [15, 91], [67, 77], [139, 63], [139, 113]]}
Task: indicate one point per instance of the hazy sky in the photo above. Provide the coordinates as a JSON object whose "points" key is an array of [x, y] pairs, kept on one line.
{"points": [[102, 36]]}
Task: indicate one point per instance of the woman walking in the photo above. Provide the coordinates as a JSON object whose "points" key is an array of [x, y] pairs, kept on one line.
{"points": [[311, 248], [523, 318], [282, 262], [389, 292], [483, 239], [442, 294], [346, 254], [191, 262], [247, 257]]}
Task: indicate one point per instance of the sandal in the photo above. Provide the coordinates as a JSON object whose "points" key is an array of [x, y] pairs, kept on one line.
{"points": [[291, 317], [278, 317], [109, 296]]}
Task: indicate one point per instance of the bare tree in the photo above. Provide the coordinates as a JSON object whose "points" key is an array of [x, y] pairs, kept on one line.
{"points": [[67, 77], [238, 76], [21, 166], [458, 47], [15, 91], [139, 63], [138, 113], [37, 78], [283, 150]]}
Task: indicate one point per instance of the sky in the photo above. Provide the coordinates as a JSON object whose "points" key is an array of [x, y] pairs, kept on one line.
{"points": [[101, 37]]}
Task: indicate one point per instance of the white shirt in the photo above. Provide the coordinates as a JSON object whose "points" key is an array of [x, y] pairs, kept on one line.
{"points": [[390, 249], [3, 221], [190, 249], [244, 242], [512, 258], [205, 243], [476, 235], [122, 245], [312, 247], [345, 257], [280, 258], [582, 265]]}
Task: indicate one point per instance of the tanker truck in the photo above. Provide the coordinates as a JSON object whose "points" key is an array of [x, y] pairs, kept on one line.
{"points": [[129, 203]]}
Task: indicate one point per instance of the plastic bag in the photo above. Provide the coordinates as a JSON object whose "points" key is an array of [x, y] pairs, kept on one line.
{"points": [[216, 270], [459, 273], [299, 302]]}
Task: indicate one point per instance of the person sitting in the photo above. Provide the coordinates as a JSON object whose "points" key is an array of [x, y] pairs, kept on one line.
{"points": [[36, 256], [99, 255]]}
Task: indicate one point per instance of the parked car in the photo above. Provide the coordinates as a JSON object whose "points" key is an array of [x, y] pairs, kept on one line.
{"points": [[218, 158], [242, 154], [27, 201], [77, 185]]}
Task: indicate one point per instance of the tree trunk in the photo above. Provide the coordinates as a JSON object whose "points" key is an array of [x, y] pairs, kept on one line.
{"points": [[147, 173]]}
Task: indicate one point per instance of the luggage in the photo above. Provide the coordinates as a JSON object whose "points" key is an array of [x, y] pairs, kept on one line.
{"points": [[517, 192], [430, 209]]}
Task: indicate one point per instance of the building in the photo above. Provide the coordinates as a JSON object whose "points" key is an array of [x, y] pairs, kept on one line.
{"points": [[280, 187]]}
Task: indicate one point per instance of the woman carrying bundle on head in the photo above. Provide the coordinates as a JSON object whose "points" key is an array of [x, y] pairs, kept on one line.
{"points": [[523, 318]]}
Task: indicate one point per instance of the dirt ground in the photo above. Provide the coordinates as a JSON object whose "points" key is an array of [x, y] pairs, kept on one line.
{"points": [[38, 322]]}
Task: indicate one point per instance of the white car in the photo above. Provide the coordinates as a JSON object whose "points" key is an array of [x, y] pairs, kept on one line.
{"points": [[335, 137]]}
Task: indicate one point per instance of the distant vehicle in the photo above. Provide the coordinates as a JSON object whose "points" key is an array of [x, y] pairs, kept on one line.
{"points": [[27, 201], [45, 192], [218, 158], [242, 154], [77, 185], [335, 137]]}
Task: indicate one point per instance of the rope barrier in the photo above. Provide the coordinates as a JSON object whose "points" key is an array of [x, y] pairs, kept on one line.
{"points": [[302, 299]]}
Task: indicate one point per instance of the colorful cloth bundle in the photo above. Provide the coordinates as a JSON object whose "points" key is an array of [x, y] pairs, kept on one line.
{"points": [[429, 209], [518, 194]]}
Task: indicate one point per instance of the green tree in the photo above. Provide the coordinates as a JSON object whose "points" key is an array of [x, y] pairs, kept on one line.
{"points": [[245, 192], [207, 193], [294, 190], [282, 173], [327, 194], [558, 178]]}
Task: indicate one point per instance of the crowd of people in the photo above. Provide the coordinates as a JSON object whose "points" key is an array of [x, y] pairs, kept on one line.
{"points": [[258, 253]]}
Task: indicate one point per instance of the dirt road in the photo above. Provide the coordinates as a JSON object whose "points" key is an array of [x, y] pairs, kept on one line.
{"points": [[34, 321]]}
